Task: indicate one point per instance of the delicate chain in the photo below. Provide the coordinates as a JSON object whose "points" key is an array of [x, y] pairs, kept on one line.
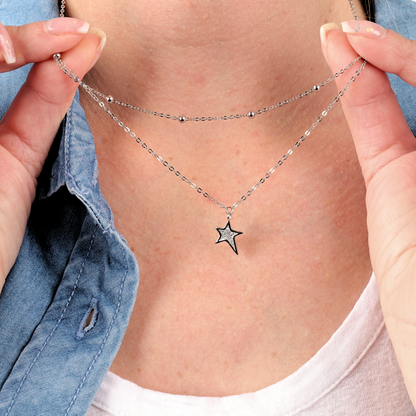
{"points": [[354, 13], [229, 210], [250, 114], [62, 10]]}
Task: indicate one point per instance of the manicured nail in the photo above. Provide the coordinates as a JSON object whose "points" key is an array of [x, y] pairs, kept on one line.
{"points": [[364, 28], [66, 26], [6, 46], [98, 32], [325, 29]]}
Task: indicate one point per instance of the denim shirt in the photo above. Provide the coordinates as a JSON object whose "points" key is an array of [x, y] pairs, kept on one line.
{"points": [[67, 301]]}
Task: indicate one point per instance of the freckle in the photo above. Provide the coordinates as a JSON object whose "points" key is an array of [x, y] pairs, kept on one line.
{"points": [[138, 370], [180, 374]]}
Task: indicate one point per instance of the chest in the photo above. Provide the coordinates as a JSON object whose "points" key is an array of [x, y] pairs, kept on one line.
{"points": [[202, 311]]}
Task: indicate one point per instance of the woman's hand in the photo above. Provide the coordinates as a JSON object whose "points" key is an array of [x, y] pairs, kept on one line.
{"points": [[32, 121], [387, 152]]}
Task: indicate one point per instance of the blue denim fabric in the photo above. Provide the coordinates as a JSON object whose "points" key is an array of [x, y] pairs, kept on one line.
{"points": [[400, 16], [73, 262]]}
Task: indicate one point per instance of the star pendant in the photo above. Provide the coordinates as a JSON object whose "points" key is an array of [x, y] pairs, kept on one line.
{"points": [[228, 234]]}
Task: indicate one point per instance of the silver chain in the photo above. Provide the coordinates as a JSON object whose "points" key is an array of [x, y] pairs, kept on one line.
{"points": [[249, 114], [354, 13], [229, 210], [62, 9]]}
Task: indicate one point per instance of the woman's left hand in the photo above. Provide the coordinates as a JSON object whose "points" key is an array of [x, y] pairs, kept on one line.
{"points": [[386, 149]]}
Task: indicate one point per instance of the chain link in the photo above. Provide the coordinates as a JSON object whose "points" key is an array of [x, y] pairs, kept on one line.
{"points": [[62, 9], [229, 210], [354, 13]]}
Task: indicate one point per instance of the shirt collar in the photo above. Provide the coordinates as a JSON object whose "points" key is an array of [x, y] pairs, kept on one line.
{"points": [[74, 164]]}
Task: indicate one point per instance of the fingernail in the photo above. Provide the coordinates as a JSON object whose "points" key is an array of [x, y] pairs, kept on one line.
{"points": [[66, 26], [98, 32], [325, 29], [6, 46], [364, 28]]}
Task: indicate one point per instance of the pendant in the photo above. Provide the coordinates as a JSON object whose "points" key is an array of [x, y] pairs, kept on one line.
{"points": [[228, 234]]}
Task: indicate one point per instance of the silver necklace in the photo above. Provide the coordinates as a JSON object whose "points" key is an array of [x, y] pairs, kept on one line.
{"points": [[249, 115], [226, 234]]}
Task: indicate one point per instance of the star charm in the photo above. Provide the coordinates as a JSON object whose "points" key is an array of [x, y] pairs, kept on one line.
{"points": [[228, 234]]}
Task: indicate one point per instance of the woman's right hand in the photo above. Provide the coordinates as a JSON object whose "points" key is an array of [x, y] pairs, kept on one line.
{"points": [[32, 121]]}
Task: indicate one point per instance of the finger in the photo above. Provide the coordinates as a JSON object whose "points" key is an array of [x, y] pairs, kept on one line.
{"points": [[376, 121], [31, 122], [36, 42], [385, 49]]}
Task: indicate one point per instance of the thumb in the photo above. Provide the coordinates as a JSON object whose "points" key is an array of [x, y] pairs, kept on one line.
{"points": [[377, 124], [385, 49]]}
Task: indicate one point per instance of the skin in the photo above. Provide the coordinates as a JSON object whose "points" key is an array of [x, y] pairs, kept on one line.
{"points": [[207, 322]]}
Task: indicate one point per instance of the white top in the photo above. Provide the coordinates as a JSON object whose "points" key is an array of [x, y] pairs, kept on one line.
{"points": [[355, 373]]}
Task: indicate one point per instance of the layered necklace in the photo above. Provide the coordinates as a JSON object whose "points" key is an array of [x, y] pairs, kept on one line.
{"points": [[226, 234]]}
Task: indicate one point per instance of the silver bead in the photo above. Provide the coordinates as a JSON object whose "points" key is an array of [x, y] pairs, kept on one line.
{"points": [[57, 56], [316, 87], [109, 99], [182, 119], [251, 114]]}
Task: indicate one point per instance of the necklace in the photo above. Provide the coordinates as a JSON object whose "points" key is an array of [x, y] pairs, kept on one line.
{"points": [[226, 234]]}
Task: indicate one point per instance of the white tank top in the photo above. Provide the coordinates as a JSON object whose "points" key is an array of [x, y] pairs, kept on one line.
{"points": [[355, 373]]}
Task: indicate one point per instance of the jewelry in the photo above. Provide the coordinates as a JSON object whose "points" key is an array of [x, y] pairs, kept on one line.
{"points": [[249, 114], [226, 234], [182, 118]]}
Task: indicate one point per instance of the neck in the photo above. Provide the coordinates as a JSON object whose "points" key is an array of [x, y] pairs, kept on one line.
{"points": [[210, 58]]}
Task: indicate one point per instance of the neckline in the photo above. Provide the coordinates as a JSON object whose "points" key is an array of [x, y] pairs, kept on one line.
{"points": [[316, 378]]}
